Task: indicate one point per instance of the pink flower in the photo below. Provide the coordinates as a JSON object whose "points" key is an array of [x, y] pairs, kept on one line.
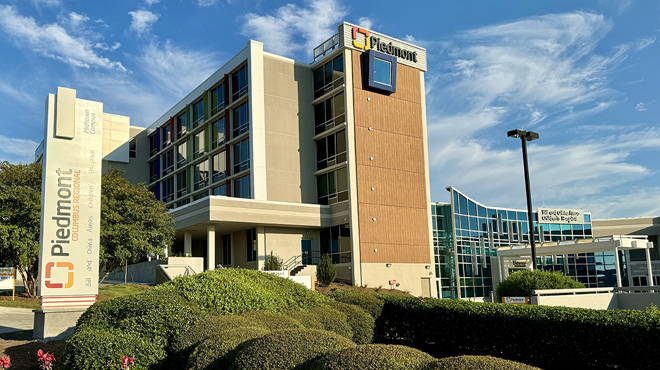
{"points": [[46, 360], [5, 362], [126, 363]]}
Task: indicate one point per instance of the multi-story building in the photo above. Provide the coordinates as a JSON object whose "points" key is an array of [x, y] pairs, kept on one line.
{"points": [[301, 159], [466, 235]]}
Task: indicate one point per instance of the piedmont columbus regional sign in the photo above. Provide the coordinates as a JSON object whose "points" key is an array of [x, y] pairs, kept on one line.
{"points": [[70, 201], [378, 44], [561, 216]]}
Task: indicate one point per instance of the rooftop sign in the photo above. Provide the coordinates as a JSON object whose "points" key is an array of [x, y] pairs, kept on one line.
{"points": [[560, 216]]}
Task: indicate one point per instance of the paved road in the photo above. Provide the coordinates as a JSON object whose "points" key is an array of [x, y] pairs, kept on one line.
{"points": [[15, 319]]}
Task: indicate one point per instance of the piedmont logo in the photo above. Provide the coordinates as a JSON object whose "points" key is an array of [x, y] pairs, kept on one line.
{"points": [[50, 266], [381, 46]]}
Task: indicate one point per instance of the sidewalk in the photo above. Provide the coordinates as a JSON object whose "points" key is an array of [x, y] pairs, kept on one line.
{"points": [[15, 319]]}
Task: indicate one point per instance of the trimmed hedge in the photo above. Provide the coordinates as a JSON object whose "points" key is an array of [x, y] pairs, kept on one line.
{"points": [[523, 283], [323, 318], [361, 323], [207, 327], [102, 348], [476, 363], [547, 337], [215, 352], [237, 290], [367, 301], [286, 349], [371, 357]]}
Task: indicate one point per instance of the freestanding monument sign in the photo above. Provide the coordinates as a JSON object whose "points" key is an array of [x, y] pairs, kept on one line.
{"points": [[70, 212]]}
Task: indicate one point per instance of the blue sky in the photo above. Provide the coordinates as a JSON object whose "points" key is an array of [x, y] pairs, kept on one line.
{"points": [[581, 73]]}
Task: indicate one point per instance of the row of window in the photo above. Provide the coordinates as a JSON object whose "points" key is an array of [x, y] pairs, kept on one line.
{"points": [[196, 114], [240, 189]]}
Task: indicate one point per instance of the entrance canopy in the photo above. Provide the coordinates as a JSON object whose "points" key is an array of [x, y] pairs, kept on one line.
{"points": [[612, 243]]}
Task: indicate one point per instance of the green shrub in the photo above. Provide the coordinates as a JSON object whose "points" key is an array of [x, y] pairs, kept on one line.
{"points": [[326, 271], [543, 336], [476, 363], [237, 290], [361, 323], [205, 328], [367, 301], [324, 318], [273, 263], [215, 351], [523, 283], [93, 348], [286, 349], [371, 357]]}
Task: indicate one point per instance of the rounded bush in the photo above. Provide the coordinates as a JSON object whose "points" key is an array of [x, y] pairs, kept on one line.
{"points": [[102, 348], [361, 323], [367, 301], [524, 282], [371, 357], [324, 318], [286, 349], [237, 290], [215, 351], [208, 326], [476, 363]]}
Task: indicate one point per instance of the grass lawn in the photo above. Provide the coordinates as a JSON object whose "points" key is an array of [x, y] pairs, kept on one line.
{"points": [[106, 292]]}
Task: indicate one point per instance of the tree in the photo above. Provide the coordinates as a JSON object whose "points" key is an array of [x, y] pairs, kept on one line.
{"points": [[524, 282], [273, 263], [134, 223], [20, 219], [326, 271]]}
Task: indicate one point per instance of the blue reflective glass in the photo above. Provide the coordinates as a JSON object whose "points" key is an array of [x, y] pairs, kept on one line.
{"points": [[492, 213], [382, 71], [502, 213], [463, 208], [482, 211], [472, 208], [522, 216], [587, 218], [511, 215], [456, 209], [474, 224]]}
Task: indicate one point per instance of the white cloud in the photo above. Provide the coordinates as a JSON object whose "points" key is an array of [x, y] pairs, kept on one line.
{"points": [[13, 91], [49, 3], [365, 22], [53, 41], [644, 43], [14, 150], [151, 2], [289, 31], [206, 3], [142, 20], [77, 20], [641, 107], [176, 70]]}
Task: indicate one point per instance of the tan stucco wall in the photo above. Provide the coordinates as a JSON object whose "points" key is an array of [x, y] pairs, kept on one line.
{"points": [[286, 242], [115, 137], [627, 226], [410, 276], [290, 149], [136, 170]]}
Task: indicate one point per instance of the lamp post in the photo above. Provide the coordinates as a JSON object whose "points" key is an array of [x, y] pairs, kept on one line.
{"points": [[526, 136]]}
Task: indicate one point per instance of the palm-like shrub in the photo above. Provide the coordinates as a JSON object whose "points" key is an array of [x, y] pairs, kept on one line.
{"points": [[326, 271]]}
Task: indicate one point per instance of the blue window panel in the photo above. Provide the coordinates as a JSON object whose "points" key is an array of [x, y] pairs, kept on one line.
{"points": [[472, 208], [482, 211], [587, 218], [463, 208], [492, 213], [381, 71], [522, 216], [511, 215]]}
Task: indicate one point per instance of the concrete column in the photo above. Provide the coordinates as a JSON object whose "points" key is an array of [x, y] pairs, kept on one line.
{"points": [[187, 244], [210, 247], [618, 268], [628, 268], [648, 267]]}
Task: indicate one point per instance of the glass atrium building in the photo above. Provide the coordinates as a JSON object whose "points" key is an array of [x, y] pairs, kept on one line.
{"points": [[466, 235]]}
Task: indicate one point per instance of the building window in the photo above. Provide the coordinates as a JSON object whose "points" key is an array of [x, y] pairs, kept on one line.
{"points": [[198, 112], [329, 113], [198, 144], [220, 190], [153, 144], [381, 71], [242, 187], [329, 76], [132, 148], [333, 186], [200, 196], [226, 250], [168, 162], [218, 99], [218, 133], [201, 175], [241, 119], [331, 150], [166, 134], [219, 166], [181, 184], [168, 190], [239, 83], [241, 155], [181, 125], [251, 240], [154, 170], [336, 242], [181, 154]]}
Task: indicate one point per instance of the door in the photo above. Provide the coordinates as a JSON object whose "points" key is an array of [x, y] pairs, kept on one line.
{"points": [[306, 247]]}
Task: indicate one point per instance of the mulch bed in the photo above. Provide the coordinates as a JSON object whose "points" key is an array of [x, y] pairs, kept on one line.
{"points": [[22, 349]]}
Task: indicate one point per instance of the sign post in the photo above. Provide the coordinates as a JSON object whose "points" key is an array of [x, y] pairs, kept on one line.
{"points": [[70, 212]]}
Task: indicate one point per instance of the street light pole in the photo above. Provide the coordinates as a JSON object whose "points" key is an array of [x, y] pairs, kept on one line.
{"points": [[526, 136]]}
